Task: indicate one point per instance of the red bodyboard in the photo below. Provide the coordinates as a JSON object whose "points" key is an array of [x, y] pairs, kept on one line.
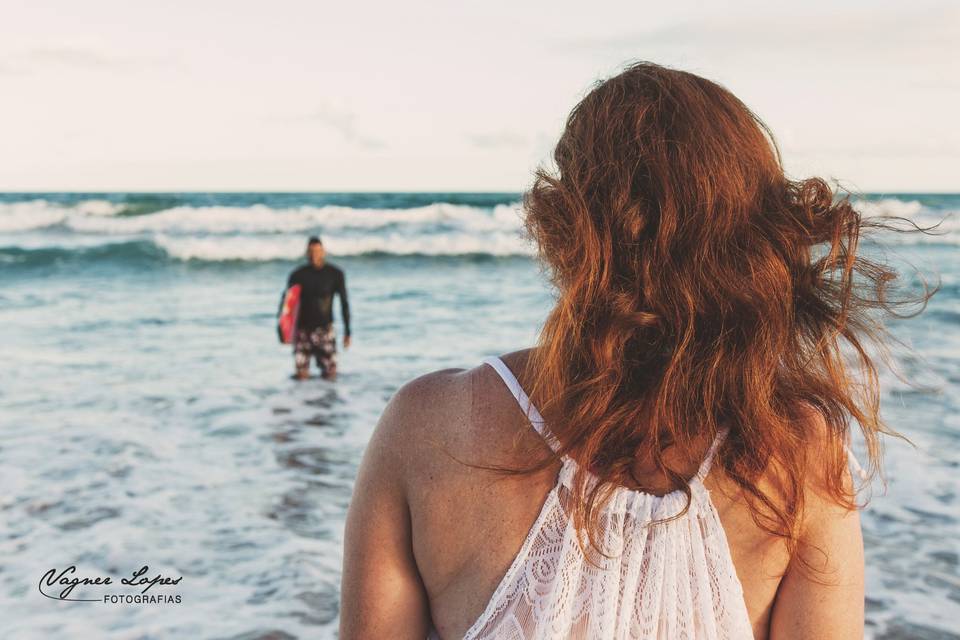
{"points": [[287, 322]]}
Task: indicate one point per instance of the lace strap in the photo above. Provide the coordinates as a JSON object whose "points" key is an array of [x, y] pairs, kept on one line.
{"points": [[861, 473], [711, 454], [536, 420]]}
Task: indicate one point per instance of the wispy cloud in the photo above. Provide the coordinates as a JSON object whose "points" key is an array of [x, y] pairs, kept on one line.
{"points": [[41, 58], [884, 149], [339, 120], [502, 139], [935, 27]]}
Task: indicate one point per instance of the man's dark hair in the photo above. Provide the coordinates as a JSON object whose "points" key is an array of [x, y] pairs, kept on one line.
{"points": [[314, 240]]}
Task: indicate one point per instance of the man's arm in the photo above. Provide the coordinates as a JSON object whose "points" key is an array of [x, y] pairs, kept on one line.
{"points": [[344, 304], [382, 595], [824, 599]]}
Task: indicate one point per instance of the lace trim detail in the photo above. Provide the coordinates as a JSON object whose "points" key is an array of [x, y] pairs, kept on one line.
{"points": [[551, 590], [672, 579]]}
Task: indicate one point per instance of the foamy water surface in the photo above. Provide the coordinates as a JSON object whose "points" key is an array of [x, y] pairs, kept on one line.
{"points": [[148, 416]]}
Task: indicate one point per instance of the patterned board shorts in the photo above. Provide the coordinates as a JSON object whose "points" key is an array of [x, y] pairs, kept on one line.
{"points": [[321, 343]]}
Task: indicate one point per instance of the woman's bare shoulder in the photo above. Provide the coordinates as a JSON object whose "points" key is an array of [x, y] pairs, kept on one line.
{"points": [[821, 594], [444, 415], [421, 410]]}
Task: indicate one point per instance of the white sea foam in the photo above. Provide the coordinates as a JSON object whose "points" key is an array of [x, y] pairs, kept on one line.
{"points": [[260, 232], [40, 214], [263, 219], [288, 247], [30, 214], [946, 222], [99, 208], [889, 207]]}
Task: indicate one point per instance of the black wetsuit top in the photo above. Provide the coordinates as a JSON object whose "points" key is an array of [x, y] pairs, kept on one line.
{"points": [[317, 287]]}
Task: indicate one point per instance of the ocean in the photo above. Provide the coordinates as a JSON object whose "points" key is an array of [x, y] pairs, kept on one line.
{"points": [[148, 417]]}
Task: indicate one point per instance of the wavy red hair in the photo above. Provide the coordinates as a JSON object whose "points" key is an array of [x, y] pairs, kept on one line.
{"points": [[699, 288]]}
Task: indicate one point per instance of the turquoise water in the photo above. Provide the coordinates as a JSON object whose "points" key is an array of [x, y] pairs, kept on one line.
{"points": [[148, 416]]}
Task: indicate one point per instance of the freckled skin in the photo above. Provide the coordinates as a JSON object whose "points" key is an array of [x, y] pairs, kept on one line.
{"points": [[428, 539]]}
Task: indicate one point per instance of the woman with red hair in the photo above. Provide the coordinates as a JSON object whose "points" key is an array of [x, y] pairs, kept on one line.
{"points": [[670, 460]]}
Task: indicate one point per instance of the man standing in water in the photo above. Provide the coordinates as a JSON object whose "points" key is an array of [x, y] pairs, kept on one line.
{"points": [[315, 335]]}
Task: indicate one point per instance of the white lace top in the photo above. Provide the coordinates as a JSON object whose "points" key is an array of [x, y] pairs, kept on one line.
{"points": [[674, 580]]}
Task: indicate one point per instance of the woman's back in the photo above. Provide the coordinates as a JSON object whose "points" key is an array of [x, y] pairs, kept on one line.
{"points": [[468, 527], [700, 291], [671, 580]]}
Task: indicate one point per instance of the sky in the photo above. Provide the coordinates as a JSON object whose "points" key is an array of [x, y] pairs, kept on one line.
{"points": [[449, 96]]}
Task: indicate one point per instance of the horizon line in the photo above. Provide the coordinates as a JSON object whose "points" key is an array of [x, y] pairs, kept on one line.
{"points": [[372, 191]]}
